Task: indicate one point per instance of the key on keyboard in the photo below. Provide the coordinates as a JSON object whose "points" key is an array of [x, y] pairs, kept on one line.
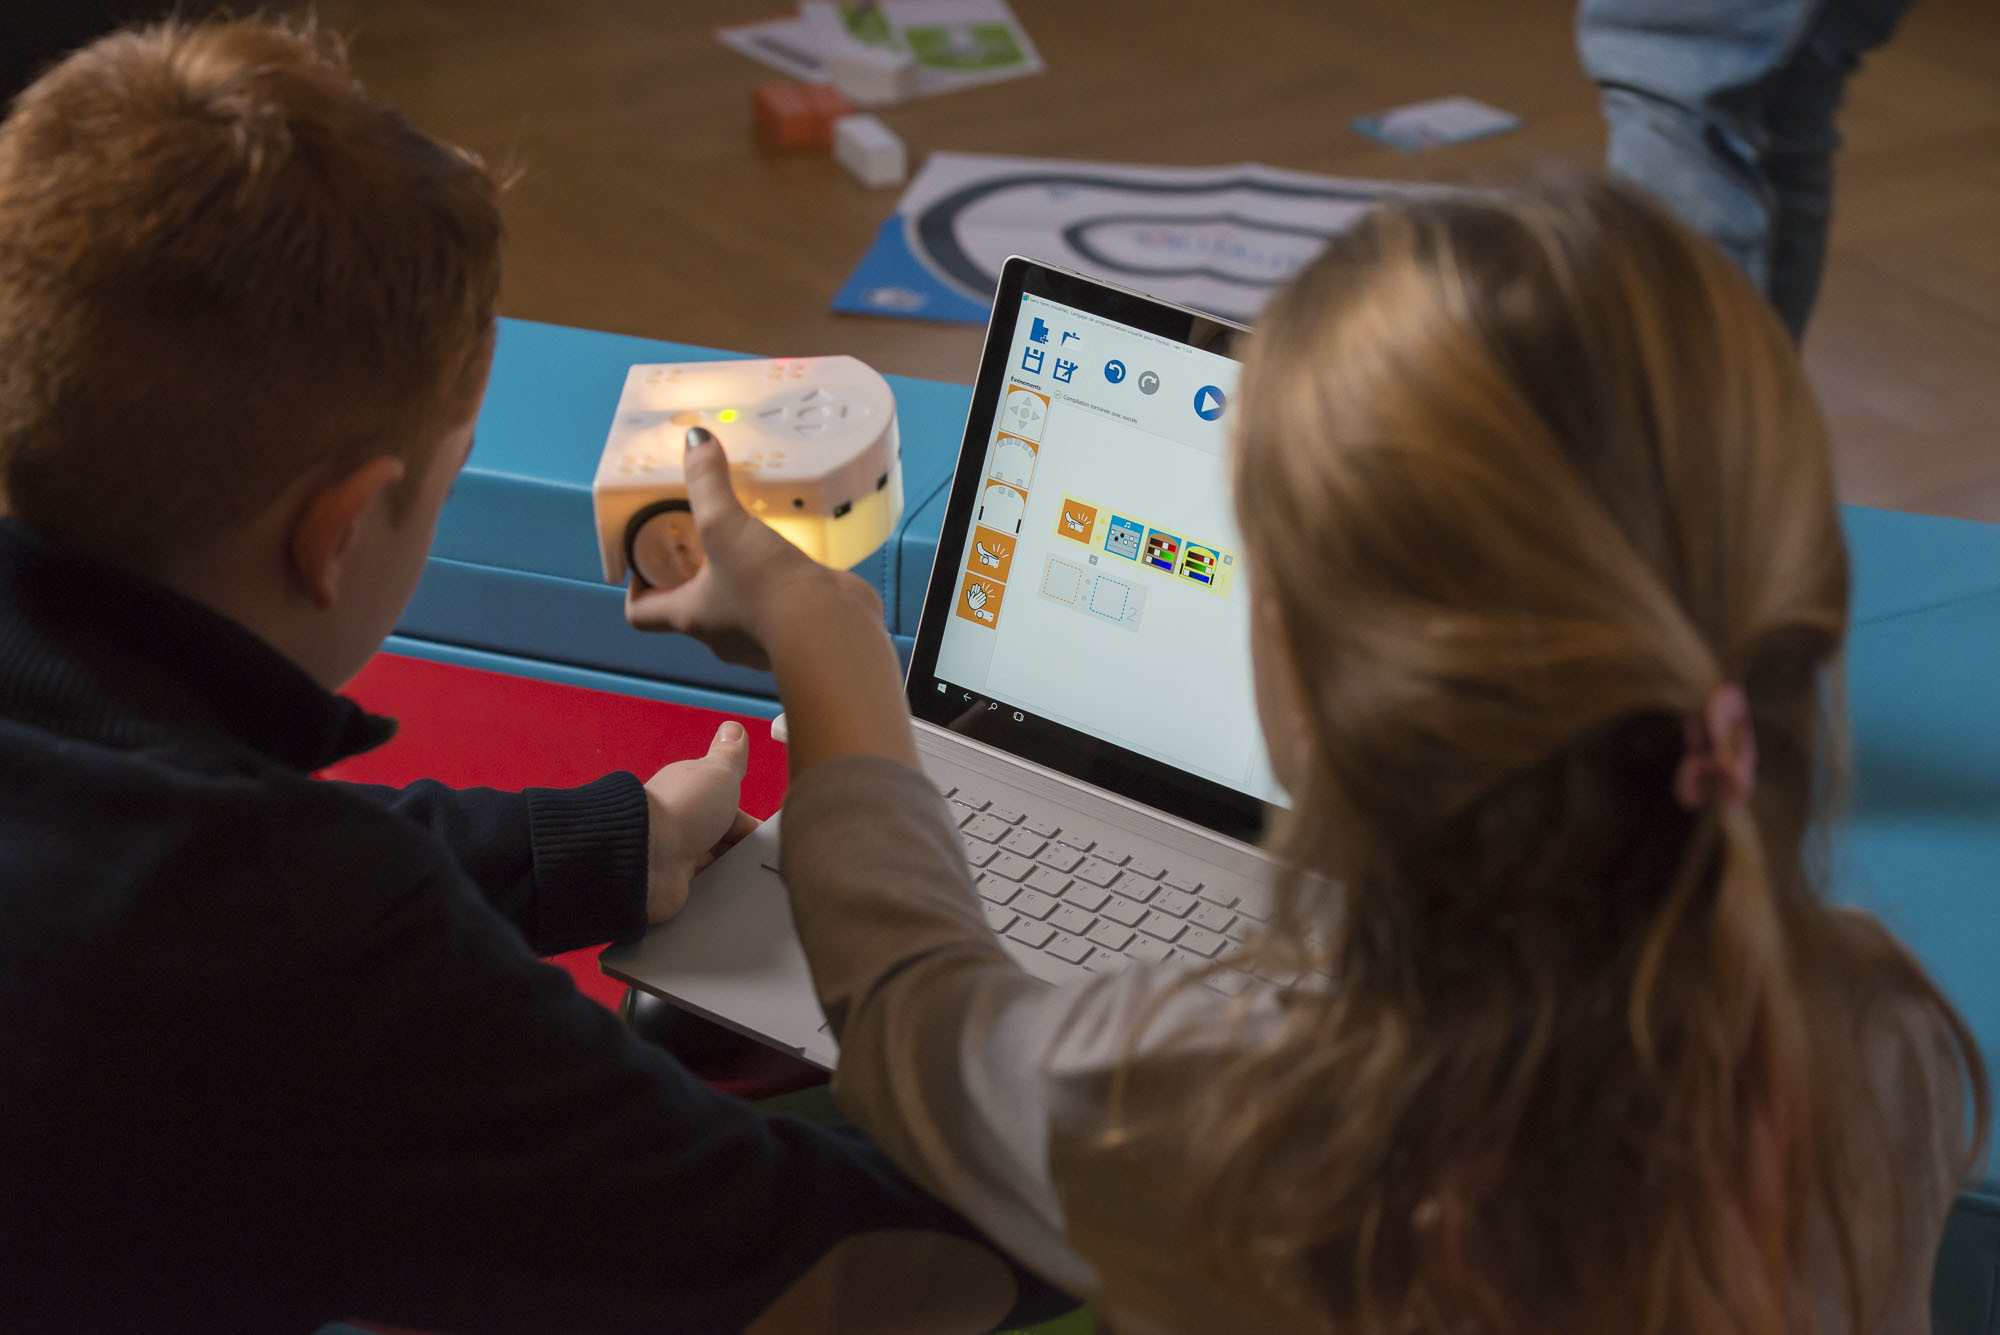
{"points": [[1008, 865], [1061, 858], [1111, 936], [983, 826], [1213, 917], [1097, 872], [1124, 912], [1020, 841], [1086, 897], [995, 890], [1202, 942], [1033, 903], [1033, 935], [1135, 887], [1068, 949], [1048, 882], [1072, 919]]}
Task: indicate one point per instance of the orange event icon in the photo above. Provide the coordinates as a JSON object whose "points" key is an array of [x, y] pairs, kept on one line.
{"points": [[1076, 521], [979, 600], [992, 553]]}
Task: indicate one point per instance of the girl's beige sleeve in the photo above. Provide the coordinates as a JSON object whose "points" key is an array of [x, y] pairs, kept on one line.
{"points": [[959, 1063]]}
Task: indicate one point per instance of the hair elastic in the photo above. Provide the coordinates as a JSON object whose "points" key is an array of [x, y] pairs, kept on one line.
{"points": [[1721, 760]]}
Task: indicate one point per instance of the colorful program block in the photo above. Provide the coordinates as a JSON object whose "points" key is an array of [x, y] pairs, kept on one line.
{"points": [[1163, 550], [979, 600], [1198, 563], [796, 116], [1076, 521], [1001, 507], [992, 554], [1123, 536]]}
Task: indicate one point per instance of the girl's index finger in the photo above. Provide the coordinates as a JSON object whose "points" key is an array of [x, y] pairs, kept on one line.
{"points": [[706, 469]]}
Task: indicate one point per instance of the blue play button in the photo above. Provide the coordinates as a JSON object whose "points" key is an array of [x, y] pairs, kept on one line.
{"points": [[1209, 403]]}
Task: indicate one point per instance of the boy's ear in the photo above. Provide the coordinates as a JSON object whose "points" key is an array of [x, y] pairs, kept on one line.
{"points": [[328, 521]]}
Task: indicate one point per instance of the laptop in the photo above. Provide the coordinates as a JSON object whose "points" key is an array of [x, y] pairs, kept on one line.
{"points": [[1080, 684]]}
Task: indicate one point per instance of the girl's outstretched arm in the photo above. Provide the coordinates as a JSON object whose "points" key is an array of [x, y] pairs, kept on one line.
{"points": [[759, 601]]}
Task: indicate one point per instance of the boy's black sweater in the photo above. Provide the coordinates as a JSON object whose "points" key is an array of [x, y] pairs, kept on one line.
{"points": [[276, 1051]]}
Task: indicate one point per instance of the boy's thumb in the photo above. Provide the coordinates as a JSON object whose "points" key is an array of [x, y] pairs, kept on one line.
{"points": [[732, 746]]}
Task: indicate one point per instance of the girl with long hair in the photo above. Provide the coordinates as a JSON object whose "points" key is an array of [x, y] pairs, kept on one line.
{"points": [[1549, 598]]}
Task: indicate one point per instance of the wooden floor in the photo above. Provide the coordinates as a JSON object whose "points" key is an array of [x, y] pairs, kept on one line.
{"points": [[645, 208]]}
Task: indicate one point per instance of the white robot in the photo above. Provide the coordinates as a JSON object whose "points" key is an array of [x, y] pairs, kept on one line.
{"points": [[812, 450]]}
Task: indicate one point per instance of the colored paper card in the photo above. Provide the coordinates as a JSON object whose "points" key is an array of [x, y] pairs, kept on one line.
{"points": [[1436, 124]]}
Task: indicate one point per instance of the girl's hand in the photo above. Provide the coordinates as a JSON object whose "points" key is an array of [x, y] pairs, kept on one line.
{"points": [[749, 575], [759, 601]]}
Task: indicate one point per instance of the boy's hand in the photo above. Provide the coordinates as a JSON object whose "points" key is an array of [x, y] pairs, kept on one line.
{"points": [[692, 819], [749, 577]]}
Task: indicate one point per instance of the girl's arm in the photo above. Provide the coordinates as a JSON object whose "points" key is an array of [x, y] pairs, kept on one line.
{"points": [[963, 1066]]}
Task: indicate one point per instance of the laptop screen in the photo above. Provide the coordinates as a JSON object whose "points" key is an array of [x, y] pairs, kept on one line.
{"points": [[1088, 610]]}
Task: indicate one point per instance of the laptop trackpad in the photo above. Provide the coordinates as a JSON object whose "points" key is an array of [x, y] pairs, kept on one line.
{"points": [[732, 954]]}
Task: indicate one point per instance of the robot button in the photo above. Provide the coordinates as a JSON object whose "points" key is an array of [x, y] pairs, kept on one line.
{"points": [[809, 428], [813, 414], [812, 396], [685, 417]]}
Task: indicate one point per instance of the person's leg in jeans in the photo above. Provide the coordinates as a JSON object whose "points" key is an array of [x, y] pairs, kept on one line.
{"points": [[1802, 138], [1724, 109]]}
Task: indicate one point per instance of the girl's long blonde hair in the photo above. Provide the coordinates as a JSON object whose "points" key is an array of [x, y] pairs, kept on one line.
{"points": [[1523, 478]]}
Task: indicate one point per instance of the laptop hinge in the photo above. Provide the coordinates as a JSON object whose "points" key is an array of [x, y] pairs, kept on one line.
{"points": [[946, 739]]}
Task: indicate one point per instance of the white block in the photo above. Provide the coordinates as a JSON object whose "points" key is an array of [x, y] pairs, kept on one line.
{"points": [[870, 151], [869, 76]]}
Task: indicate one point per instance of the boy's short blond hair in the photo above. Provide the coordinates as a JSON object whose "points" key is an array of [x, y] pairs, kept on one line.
{"points": [[224, 267]]}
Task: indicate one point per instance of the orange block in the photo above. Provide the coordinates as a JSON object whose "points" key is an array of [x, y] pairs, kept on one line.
{"points": [[979, 600], [794, 116], [992, 554], [1076, 521]]}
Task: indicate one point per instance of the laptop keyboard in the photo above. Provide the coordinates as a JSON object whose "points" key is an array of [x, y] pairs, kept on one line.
{"points": [[1067, 905]]}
